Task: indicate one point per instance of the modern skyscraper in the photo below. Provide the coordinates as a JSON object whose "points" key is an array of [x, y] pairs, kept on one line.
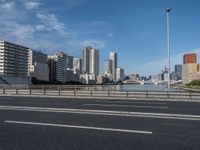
{"points": [[86, 59], [52, 61], [69, 62], [178, 71], [108, 68], [113, 58], [57, 66], [190, 58], [119, 74], [13, 59], [61, 66], [90, 60], [77, 65], [94, 62]]}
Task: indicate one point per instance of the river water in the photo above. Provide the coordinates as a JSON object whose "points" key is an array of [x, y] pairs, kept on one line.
{"points": [[121, 87], [135, 87]]}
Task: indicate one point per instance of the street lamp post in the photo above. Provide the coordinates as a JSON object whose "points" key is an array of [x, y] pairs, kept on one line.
{"points": [[168, 45]]}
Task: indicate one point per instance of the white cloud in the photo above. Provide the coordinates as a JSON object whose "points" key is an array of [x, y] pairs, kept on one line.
{"points": [[94, 43], [8, 5], [110, 34], [21, 31], [32, 5], [68, 4], [40, 27], [17, 28], [13, 30], [51, 22]]}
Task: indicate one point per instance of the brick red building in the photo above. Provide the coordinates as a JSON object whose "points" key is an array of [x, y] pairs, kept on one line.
{"points": [[190, 58]]}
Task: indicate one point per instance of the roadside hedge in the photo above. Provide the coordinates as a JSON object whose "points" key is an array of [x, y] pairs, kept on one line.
{"points": [[193, 83]]}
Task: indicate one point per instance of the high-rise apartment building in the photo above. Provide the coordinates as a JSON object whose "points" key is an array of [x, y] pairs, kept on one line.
{"points": [[13, 59], [86, 59], [57, 66], [113, 58], [61, 66], [36, 56], [69, 62], [90, 60], [94, 62], [108, 68], [190, 69], [190, 72], [189, 58], [178, 71], [52, 62], [77, 65], [37, 65], [119, 74]]}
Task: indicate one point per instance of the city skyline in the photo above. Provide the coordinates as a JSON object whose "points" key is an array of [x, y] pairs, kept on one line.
{"points": [[137, 33]]}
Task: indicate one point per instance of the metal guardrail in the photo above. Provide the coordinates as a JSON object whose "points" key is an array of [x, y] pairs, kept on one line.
{"points": [[103, 93]]}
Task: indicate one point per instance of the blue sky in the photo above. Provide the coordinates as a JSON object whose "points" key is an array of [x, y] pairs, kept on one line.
{"points": [[135, 29]]}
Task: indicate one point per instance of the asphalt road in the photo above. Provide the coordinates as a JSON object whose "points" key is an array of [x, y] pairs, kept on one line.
{"points": [[69, 124]]}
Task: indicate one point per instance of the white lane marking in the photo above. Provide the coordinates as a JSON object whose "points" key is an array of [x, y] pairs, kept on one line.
{"points": [[128, 102], [118, 105], [77, 127], [104, 112]]}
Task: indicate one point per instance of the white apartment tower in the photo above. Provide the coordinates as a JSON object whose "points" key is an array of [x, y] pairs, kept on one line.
{"points": [[119, 74], [77, 65], [108, 68], [13, 60], [90, 60], [94, 62], [86, 59], [113, 58]]}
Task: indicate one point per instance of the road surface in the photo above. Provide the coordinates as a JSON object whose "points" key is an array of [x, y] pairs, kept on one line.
{"points": [[32, 123]]}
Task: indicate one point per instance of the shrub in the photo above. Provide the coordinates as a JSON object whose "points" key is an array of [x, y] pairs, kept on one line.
{"points": [[194, 83]]}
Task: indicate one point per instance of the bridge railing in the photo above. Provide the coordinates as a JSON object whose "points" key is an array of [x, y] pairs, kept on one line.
{"points": [[78, 92]]}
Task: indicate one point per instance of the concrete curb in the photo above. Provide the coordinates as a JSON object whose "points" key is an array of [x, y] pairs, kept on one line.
{"points": [[104, 98]]}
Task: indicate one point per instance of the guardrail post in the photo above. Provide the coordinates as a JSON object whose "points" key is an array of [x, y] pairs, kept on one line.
{"points": [[190, 95], [59, 92], [4, 92], [91, 93], [126, 93], [16, 91], [168, 94], [30, 91], [147, 95], [44, 92], [108, 93], [74, 91]]}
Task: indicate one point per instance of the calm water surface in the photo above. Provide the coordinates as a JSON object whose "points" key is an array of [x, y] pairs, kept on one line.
{"points": [[135, 87]]}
